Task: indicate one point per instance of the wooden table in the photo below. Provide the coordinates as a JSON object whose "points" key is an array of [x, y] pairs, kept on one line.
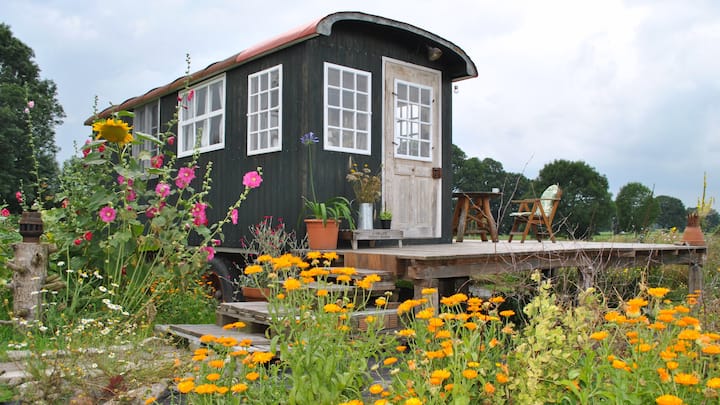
{"points": [[474, 206]]}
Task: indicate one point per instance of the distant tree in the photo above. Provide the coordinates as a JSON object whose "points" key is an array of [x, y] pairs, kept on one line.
{"points": [[586, 204], [19, 83], [671, 212], [636, 207]]}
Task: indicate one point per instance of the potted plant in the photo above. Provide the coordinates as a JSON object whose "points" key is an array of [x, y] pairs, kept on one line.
{"points": [[385, 219], [323, 225], [268, 240], [367, 190]]}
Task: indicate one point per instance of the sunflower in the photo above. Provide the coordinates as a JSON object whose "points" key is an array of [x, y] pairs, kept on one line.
{"points": [[113, 130]]}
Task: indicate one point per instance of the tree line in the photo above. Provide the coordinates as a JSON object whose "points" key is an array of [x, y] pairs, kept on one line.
{"points": [[586, 207]]}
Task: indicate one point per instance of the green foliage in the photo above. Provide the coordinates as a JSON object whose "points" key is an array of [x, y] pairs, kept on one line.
{"points": [[671, 213], [20, 83], [385, 215], [636, 208], [586, 206], [336, 208]]}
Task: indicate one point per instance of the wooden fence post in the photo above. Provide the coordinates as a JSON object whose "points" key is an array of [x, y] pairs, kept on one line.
{"points": [[29, 272], [695, 279]]}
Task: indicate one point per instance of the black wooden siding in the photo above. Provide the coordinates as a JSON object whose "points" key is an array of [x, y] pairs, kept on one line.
{"points": [[285, 173]]}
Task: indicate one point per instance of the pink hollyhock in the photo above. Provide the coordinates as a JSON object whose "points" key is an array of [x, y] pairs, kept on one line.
{"points": [[162, 190], [185, 176], [198, 212], [18, 197], [210, 252], [77, 242], [101, 148], [234, 216], [215, 242], [107, 214], [157, 161], [171, 140], [31, 104], [121, 179], [88, 236], [152, 211], [86, 149], [131, 196], [190, 95], [252, 179], [65, 203], [5, 212]]}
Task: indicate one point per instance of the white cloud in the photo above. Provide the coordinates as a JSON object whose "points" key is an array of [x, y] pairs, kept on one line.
{"points": [[629, 86]]}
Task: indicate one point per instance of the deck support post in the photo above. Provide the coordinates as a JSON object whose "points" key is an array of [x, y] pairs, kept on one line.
{"points": [[695, 279], [587, 276], [427, 283]]}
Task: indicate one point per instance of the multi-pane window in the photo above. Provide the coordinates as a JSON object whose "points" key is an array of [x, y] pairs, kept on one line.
{"points": [[202, 110], [147, 121], [347, 109], [413, 120], [264, 114]]}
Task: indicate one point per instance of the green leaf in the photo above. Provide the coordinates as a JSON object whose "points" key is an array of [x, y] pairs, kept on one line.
{"points": [[147, 137]]}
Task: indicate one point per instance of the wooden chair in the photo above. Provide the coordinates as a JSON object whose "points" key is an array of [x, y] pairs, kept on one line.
{"points": [[535, 213]]}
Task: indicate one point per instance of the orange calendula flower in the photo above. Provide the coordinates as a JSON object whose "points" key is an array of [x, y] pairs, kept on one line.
{"points": [[412, 401], [242, 387], [497, 300], [489, 388], [428, 291], [658, 292], [253, 269], [332, 308], [220, 363], [380, 302], [213, 377], [688, 334], [663, 374], [291, 284], [390, 361], [668, 399], [501, 378], [711, 349], [685, 379], [406, 332], [599, 335], [470, 373], [507, 313], [262, 357], [207, 338], [330, 256], [376, 389], [206, 389], [322, 293], [441, 374], [186, 386], [252, 376], [713, 383]]}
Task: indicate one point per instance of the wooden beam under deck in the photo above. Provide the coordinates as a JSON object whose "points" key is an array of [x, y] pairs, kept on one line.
{"points": [[422, 263]]}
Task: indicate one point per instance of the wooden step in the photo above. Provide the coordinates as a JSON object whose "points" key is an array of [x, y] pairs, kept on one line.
{"points": [[257, 316], [192, 333]]}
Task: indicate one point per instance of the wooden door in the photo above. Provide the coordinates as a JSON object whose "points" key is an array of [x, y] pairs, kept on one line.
{"points": [[412, 148]]}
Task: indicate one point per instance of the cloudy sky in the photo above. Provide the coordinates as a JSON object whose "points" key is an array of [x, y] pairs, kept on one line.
{"points": [[630, 87]]}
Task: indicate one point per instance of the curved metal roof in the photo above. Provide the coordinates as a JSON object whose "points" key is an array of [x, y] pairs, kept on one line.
{"points": [[322, 26]]}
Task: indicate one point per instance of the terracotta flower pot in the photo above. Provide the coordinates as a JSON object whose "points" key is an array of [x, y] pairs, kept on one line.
{"points": [[255, 294], [693, 234], [322, 237]]}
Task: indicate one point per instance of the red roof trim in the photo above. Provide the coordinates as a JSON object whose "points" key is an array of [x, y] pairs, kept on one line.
{"points": [[322, 26]]}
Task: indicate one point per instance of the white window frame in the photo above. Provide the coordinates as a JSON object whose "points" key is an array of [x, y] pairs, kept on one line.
{"points": [[261, 111], [188, 116], [148, 123], [408, 126], [361, 119]]}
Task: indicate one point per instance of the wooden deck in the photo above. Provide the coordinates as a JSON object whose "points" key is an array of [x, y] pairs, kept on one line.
{"points": [[430, 265]]}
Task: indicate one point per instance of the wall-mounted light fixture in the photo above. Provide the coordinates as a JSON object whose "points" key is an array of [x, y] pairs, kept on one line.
{"points": [[434, 53]]}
